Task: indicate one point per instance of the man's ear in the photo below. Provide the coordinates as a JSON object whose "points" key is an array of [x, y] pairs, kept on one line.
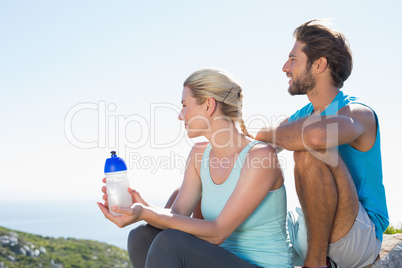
{"points": [[210, 105], [321, 64]]}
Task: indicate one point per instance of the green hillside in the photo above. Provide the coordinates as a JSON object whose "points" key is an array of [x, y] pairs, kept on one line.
{"points": [[18, 249]]}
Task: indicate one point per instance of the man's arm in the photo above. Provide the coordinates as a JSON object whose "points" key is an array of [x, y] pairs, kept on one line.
{"points": [[354, 125], [266, 135]]}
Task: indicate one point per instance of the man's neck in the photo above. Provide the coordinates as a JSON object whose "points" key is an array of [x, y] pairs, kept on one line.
{"points": [[322, 96]]}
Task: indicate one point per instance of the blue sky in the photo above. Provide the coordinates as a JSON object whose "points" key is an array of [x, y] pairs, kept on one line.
{"points": [[110, 74]]}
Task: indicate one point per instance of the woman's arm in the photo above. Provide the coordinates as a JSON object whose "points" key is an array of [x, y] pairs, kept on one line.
{"points": [[260, 174], [191, 188]]}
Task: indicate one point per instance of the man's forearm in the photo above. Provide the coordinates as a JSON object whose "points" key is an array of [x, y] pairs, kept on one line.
{"points": [[312, 133], [288, 136]]}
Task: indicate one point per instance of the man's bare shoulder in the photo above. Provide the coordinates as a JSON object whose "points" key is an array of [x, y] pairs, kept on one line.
{"points": [[359, 112], [364, 118]]}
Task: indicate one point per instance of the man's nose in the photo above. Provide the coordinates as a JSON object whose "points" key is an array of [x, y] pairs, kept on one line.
{"points": [[285, 67]]}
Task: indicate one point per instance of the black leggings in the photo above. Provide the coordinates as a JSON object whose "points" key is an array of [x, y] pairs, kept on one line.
{"points": [[153, 248]]}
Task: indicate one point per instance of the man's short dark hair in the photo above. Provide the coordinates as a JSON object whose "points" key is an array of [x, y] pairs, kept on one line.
{"points": [[320, 41]]}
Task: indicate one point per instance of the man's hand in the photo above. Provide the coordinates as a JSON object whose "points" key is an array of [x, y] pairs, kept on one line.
{"points": [[265, 135]]}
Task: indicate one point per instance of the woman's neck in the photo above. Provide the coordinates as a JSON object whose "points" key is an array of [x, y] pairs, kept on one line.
{"points": [[226, 140]]}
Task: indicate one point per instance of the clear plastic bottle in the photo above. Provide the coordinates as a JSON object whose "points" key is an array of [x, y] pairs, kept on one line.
{"points": [[117, 183]]}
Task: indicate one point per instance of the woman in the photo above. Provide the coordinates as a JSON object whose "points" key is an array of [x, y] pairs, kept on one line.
{"points": [[241, 184]]}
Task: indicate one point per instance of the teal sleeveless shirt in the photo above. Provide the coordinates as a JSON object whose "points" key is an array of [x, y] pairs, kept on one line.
{"points": [[262, 239], [365, 167]]}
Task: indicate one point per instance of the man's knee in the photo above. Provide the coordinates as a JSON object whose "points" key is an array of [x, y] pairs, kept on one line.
{"points": [[308, 167], [320, 157], [329, 157]]}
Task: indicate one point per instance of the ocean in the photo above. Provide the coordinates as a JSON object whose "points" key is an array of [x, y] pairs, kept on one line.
{"points": [[79, 219]]}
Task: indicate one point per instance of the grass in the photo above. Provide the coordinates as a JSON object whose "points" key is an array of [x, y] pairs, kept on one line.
{"points": [[393, 230], [64, 252]]}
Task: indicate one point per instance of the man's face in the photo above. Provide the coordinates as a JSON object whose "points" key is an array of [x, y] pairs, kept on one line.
{"points": [[299, 71]]}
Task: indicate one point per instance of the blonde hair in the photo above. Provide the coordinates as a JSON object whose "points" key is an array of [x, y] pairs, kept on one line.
{"points": [[223, 88]]}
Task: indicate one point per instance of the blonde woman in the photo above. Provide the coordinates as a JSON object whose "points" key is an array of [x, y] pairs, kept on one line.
{"points": [[239, 179]]}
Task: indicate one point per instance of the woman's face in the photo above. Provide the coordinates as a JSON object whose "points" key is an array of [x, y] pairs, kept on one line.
{"points": [[193, 115]]}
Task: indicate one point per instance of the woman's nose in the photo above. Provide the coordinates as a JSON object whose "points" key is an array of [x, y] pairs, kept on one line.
{"points": [[180, 117]]}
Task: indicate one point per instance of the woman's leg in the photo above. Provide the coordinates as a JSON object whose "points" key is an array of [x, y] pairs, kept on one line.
{"points": [[173, 248], [139, 242]]}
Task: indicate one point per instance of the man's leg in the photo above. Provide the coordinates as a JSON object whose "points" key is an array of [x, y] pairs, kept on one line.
{"points": [[360, 247], [329, 201]]}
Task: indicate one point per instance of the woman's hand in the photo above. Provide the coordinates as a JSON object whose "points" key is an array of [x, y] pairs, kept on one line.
{"points": [[135, 196], [129, 215], [104, 191]]}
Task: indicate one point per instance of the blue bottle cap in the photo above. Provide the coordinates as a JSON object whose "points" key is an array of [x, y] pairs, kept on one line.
{"points": [[114, 163]]}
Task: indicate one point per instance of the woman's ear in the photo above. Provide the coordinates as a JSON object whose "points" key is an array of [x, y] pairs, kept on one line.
{"points": [[210, 105]]}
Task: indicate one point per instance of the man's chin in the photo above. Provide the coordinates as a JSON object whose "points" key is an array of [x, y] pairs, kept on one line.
{"points": [[292, 92]]}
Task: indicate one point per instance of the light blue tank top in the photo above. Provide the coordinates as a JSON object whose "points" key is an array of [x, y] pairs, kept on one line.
{"points": [[365, 167], [262, 239]]}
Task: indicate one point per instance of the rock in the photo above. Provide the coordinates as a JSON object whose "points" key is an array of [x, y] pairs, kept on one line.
{"points": [[21, 251], [12, 234], [42, 250], [53, 264], [391, 252], [392, 260], [11, 258], [4, 240], [36, 253], [8, 241], [13, 241], [389, 242], [28, 251]]}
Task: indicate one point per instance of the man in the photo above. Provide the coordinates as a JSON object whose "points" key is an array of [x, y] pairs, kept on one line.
{"points": [[336, 144]]}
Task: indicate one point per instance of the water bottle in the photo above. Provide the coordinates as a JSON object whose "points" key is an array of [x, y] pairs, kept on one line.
{"points": [[117, 183]]}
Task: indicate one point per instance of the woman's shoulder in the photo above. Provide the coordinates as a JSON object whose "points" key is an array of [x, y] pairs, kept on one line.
{"points": [[198, 149], [262, 149], [264, 156], [196, 154], [200, 146]]}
